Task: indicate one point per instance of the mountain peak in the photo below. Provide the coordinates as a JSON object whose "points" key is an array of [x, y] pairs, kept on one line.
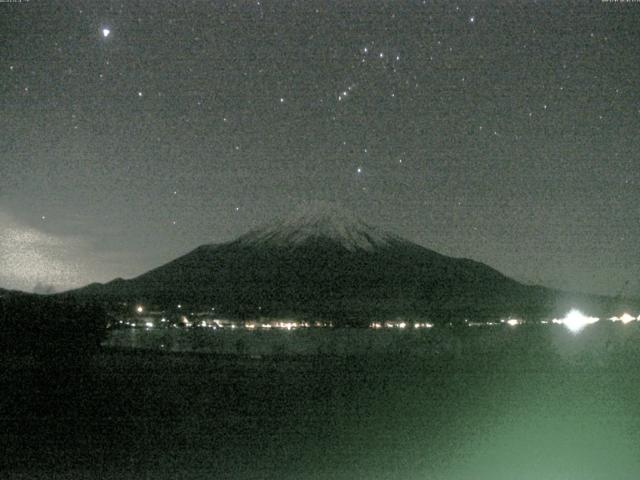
{"points": [[320, 220]]}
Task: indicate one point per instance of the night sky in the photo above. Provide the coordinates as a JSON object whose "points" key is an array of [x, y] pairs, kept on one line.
{"points": [[132, 132]]}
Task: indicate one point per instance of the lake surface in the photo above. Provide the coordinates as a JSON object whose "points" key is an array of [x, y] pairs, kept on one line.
{"points": [[525, 403]]}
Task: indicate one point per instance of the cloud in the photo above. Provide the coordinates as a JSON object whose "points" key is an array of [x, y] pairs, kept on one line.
{"points": [[30, 256]]}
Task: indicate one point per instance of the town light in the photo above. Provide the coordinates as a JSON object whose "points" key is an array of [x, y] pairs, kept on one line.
{"points": [[575, 320], [626, 318]]}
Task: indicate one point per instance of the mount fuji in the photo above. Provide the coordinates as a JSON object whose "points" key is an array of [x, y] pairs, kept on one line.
{"points": [[325, 263]]}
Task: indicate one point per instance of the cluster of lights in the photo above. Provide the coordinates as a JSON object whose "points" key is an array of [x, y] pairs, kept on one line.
{"points": [[575, 320], [482, 324], [624, 318], [512, 322], [400, 325], [423, 325], [283, 325], [185, 321]]}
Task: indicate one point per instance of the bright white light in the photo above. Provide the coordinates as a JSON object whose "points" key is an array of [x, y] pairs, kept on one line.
{"points": [[626, 318], [139, 309], [512, 322], [402, 325], [576, 321], [149, 324], [106, 32]]}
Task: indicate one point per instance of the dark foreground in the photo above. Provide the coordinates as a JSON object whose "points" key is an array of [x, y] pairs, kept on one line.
{"points": [[538, 404]]}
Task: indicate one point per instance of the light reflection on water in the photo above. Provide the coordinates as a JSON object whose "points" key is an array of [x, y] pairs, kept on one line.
{"points": [[597, 342], [472, 404]]}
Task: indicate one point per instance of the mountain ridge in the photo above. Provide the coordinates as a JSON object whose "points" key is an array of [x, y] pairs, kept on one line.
{"points": [[332, 265]]}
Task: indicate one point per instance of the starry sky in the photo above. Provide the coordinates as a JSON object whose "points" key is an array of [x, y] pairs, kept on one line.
{"points": [[506, 132]]}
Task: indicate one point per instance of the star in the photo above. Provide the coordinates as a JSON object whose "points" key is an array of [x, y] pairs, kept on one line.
{"points": [[472, 19], [106, 32]]}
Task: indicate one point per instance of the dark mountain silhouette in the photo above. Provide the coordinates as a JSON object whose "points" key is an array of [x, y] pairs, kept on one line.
{"points": [[326, 263], [4, 293], [49, 327]]}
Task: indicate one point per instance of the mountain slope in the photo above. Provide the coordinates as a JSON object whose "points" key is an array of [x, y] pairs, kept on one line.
{"points": [[329, 264]]}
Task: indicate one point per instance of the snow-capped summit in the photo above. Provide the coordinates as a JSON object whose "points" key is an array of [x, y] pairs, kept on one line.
{"points": [[324, 221]]}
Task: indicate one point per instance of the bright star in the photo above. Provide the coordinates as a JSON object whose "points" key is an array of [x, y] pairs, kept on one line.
{"points": [[106, 32]]}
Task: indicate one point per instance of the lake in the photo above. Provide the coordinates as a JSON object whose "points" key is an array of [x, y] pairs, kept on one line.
{"points": [[475, 403]]}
